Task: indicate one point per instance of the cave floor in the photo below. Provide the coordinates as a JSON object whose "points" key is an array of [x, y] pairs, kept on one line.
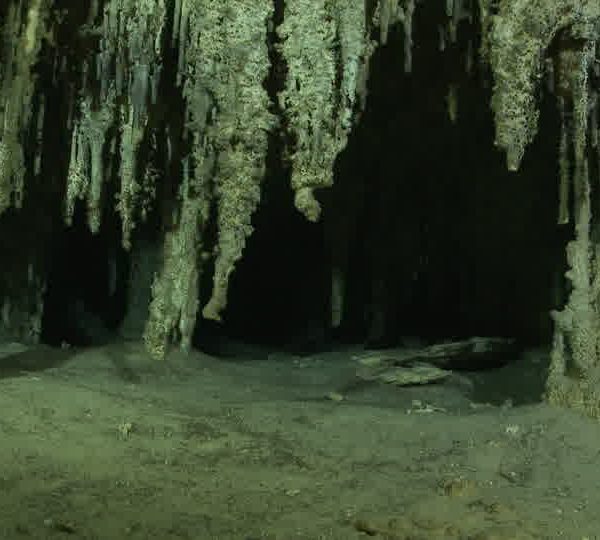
{"points": [[107, 444]]}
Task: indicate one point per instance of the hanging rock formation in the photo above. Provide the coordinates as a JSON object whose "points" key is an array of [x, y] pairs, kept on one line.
{"points": [[168, 117]]}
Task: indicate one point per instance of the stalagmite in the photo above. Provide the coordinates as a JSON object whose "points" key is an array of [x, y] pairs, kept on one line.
{"points": [[174, 305], [338, 293], [577, 340]]}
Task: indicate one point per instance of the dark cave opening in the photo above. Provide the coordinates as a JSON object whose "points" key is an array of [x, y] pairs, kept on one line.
{"points": [[86, 292], [456, 245]]}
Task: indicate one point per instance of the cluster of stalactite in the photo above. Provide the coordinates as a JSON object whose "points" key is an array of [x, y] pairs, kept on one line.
{"points": [[559, 43], [119, 133], [216, 56], [120, 82]]}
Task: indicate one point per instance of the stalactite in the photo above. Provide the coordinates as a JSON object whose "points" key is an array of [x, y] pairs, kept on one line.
{"points": [[485, 21], [86, 175], [229, 58], [442, 38], [469, 58], [453, 12], [130, 195], [127, 66], [222, 62], [385, 17], [355, 50], [308, 34], [594, 140], [564, 166], [25, 28], [180, 34], [318, 119], [132, 36], [407, 22], [390, 12], [452, 103], [522, 31]]}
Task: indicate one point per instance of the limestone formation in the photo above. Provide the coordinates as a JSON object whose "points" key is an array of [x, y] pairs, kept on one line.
{"points": [[167, 109]]}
